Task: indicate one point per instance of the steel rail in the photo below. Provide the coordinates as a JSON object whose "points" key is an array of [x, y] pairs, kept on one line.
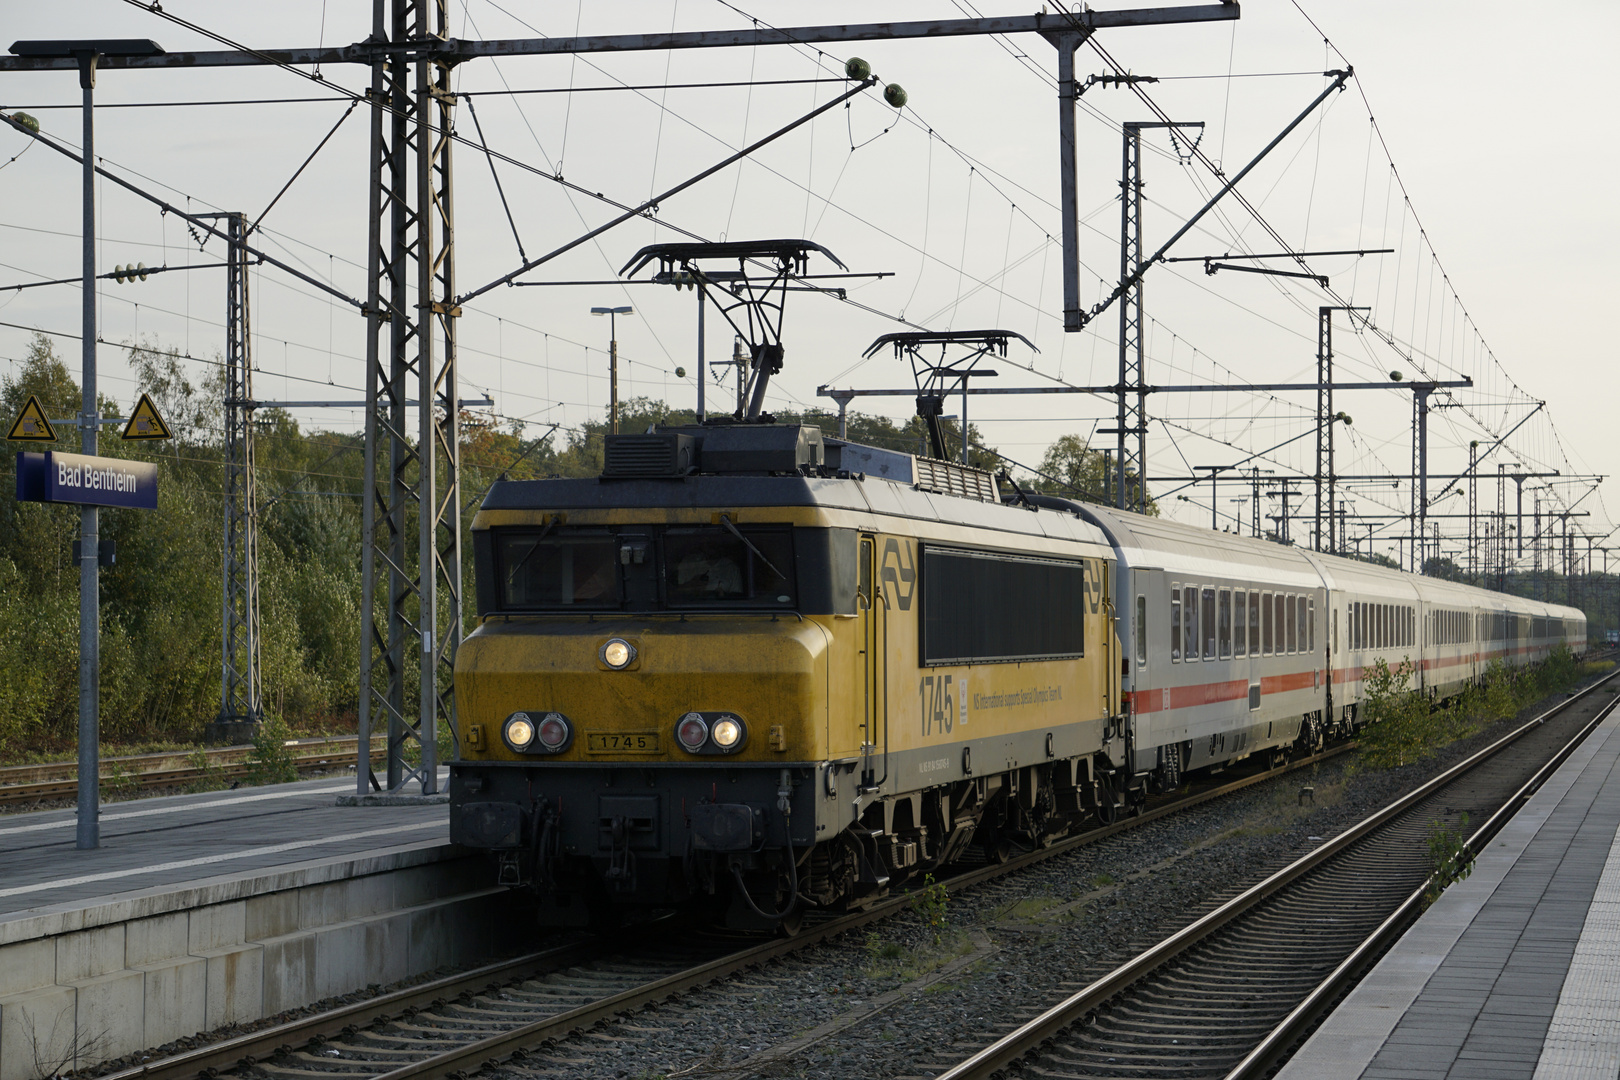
{"points": [[66, 784], [1297, 1025], [51, 770], [471, 1055], [1049, 1024], [258, 1046]]}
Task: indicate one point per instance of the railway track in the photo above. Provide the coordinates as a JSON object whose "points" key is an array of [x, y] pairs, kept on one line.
{"points": [[496, 1013], [1232, 993], [59, 780]]}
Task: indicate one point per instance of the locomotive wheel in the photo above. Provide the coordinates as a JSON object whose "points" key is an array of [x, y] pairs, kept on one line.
{"points": [[996, 846], [1107, 809], [789, 927]]}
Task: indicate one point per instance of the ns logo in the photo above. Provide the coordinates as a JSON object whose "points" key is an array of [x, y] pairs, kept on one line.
{"points": [[898, 572]]}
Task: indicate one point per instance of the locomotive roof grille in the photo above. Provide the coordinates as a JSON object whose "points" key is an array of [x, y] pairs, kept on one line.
{"points": [[665, 453], [741, 448]]}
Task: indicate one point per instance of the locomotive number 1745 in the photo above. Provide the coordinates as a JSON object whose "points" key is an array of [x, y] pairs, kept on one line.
{"points": [[938, 700]]}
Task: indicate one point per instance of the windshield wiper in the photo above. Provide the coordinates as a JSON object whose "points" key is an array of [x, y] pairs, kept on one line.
{"points": [[530, 553], [760, 555]]}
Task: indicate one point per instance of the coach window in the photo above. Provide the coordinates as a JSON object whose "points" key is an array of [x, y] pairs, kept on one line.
{"points": [[1279, 616], [1225, 628], [1240, 625], [1291, 615], [1265, 623], [1310, 607], [1175, 623], [1207, 605], [1189, 624], [1141, 630], [1254, 624]]}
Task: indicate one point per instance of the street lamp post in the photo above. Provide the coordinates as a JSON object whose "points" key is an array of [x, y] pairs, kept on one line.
{"points": [[87, 52], [613, 314]]}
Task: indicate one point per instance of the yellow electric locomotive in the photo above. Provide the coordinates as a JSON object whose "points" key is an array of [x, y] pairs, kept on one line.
{"points": [[749, 670]]}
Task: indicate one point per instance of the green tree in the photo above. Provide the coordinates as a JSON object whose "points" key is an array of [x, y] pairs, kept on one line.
{"points": [[1441, 567], [1072, 469]]}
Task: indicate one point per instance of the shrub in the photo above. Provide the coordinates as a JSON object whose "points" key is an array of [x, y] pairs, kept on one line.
{"points": [[271, 759]]}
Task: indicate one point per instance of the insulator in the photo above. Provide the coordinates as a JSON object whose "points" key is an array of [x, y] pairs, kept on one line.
{"points": [[895, 95], [856, 68]]}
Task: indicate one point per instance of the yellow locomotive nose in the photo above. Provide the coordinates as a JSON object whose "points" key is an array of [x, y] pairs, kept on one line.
{"points": [[629, 690]]}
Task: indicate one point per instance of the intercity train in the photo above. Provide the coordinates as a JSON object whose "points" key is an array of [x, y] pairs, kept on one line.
{"points": [[751, 670]]}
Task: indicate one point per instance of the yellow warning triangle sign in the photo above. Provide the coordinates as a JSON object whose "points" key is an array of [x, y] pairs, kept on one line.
{"points": [[145, 423], [31, 424]]}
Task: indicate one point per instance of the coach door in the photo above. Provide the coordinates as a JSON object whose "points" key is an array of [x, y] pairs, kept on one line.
{"points": [[872, 612]]}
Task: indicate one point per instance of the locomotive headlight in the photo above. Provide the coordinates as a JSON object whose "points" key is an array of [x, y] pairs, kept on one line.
{"points": [[692, 732], [519, 731], [727, 733], [618, 653]]}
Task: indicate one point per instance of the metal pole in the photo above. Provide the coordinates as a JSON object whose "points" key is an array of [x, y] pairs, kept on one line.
{"points": [[88, 834], [703, 371], [1420, 477], [1066, 44], [1518, 481], [613, 373], [1473, 512], [1129, 246], [964, 420], [740, 362], [240, 697], [1256, 515]]}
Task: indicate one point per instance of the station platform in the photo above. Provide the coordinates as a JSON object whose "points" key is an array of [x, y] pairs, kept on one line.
{"points": [[1513, 972], [163, 841], [201, 911]]}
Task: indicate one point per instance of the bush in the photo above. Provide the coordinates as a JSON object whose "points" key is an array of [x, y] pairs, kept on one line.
{"points": [[271, 759], [1450, 861], [1403, 726], [1400, 723]]}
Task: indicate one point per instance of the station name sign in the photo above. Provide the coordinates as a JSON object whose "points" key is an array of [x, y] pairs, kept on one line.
{"points": [[87, 481]]}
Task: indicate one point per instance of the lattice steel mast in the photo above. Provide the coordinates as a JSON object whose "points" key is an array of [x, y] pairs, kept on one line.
{"points": [[410, 616], [240, 704]]}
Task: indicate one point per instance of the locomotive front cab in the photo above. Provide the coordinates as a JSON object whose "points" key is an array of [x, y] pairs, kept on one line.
{"points": [[643, 702]]}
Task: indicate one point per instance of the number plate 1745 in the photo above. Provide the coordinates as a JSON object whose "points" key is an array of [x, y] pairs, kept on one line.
{"points": [[622, 742]]}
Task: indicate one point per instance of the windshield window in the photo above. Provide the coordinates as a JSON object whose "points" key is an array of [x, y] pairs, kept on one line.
{"points": [[715, 565], [569, 570]]}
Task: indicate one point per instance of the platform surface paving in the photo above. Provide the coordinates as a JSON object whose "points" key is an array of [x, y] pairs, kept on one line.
{"points": [[1513, 973], [147, 843]]}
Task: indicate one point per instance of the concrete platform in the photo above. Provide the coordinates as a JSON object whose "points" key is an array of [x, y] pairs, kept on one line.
{"points": [[200, 911], [1513, 973]]}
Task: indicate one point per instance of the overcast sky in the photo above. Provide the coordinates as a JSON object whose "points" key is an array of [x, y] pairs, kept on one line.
{"points": [[1499, 127]]}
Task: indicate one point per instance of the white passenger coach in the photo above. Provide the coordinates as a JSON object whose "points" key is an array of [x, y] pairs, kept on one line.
{"points": [[1241, 646]]}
